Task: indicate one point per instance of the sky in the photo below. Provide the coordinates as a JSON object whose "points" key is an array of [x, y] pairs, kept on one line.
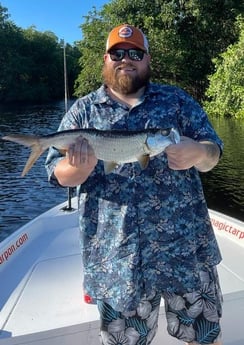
{"points": [[62, 17]]}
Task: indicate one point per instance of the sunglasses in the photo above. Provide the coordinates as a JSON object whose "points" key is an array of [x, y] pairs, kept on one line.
{"points": [[119, 54]]}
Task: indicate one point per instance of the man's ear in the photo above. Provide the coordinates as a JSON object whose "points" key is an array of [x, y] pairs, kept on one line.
{"points": [[105, 57]]}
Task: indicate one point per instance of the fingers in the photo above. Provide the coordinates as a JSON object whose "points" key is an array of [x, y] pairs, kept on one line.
{"points": [[175, 160], [80, 152], [184, 155]]}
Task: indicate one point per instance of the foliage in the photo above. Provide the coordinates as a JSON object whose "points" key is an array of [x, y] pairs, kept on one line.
{"points": [[184, 36], [32, 63], [226, 89], [188, 41], [91, 48]]}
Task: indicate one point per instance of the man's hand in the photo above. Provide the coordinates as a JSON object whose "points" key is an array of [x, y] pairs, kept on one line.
{"points": [[78, 164], [188, 153], [80, 154]]}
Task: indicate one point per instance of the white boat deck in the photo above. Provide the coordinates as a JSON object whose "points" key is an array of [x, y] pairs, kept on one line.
{"points": [[46, 305]]}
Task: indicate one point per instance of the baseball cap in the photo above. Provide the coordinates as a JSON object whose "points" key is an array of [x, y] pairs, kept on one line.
{"points": [[126, 33]]}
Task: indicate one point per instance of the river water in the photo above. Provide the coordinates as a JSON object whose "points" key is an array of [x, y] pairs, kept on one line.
{"points": [[22, 199]]}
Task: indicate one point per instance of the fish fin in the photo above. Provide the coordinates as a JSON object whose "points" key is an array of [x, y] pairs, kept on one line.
{"points": [[143, 161], [109, 167], [36, 152], [29, 141], [22, 139]]}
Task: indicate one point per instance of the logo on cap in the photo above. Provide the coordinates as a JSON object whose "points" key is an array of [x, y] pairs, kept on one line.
{"points": [[125, 32]]}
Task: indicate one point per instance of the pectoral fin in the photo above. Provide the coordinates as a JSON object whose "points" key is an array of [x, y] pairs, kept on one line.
{"points": [[109, 167], [143, 161]]}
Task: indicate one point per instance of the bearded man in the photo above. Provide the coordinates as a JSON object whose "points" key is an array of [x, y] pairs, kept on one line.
{"points": [[145, 234]]}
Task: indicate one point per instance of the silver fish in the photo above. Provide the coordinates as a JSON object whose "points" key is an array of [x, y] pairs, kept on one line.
{"points": [[113, 147]]}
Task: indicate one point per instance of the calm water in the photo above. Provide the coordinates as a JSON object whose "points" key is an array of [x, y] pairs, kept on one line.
{"points": [[22, 199]]}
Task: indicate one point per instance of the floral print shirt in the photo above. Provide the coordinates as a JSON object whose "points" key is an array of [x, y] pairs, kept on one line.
{"points": [[142, 230]]}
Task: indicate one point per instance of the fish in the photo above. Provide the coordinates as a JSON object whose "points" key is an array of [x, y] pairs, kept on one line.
{"points": [[113, 147]]}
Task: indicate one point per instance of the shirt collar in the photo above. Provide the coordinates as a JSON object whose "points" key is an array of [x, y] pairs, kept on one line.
{"points": [[103, 97]]}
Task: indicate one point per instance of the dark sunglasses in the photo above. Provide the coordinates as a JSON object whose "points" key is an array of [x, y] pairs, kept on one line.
{"points": [[119, 54]]}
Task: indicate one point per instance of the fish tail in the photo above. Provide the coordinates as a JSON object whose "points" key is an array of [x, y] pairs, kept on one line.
{"points": [[34, 143]]}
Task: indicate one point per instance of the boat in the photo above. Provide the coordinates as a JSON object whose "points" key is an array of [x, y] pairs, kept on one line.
{"points": [[41, 298]]}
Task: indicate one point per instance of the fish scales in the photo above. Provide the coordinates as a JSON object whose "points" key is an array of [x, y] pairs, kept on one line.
{"points": [[118, 148], [113, 147]]}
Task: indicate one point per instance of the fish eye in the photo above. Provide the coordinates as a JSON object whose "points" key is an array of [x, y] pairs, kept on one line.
{"points": [[166, 131]]}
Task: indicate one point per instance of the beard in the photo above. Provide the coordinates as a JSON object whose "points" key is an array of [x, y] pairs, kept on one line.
{"points": [[125, 84]]}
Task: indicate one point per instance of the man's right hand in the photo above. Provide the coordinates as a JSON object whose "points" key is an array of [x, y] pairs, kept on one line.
{"points": [[78, 164], [81, 154]]}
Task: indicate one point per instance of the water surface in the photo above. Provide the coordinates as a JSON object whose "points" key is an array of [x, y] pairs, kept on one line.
{"points": [[22, 199]]}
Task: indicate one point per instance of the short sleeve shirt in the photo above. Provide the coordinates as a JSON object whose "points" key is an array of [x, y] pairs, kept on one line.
{"points": [[142, 230]]}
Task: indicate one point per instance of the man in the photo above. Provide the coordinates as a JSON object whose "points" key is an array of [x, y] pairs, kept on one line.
{"points": [[145, 234]]}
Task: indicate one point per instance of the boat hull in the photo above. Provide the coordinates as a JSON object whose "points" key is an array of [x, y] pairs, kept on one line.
{"points": [[41, 298]]}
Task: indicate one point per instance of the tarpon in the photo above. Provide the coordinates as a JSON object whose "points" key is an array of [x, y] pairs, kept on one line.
{"points": [[114, 147]]}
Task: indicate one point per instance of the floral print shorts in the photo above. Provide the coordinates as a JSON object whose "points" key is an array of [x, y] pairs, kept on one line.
{"points": [[191, 317]]}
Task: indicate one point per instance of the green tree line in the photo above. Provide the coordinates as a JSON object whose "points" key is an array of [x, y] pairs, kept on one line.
{"points": [[32, 63], [195, 44], [226, 88], [186, 36]]}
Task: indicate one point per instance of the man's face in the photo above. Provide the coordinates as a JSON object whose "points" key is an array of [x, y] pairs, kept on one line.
{"points": [[126, 76]]}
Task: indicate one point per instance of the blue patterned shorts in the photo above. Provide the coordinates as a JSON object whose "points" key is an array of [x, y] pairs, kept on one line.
{"points": [[191, 317]]}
